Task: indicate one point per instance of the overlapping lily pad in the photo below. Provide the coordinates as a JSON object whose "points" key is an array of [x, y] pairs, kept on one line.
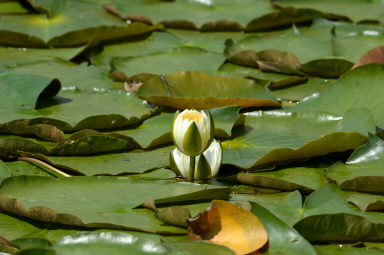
{"points": [[98, 201], [278, 136]]}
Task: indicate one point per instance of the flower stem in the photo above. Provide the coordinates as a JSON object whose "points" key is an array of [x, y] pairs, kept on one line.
{"points": [[191, 168]]}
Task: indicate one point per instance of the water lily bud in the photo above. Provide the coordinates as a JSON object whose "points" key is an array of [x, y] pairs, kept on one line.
{"points": [[207, 164], [192, 131]]}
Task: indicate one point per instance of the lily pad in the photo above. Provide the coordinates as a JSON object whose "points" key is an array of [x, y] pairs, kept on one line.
{"points": [[193, 14], [12, 7], [363, 170], [285, 205], [351, 42], [283, 239], [288, 179], [133, 162], [327, 216], [347, 250], [303, 47], [107, 242], [77, 24], [98, 201], [345, 93], [155, 42], [168, 62], [13, 56], [356, 10], [188, 90], [273, 137]]}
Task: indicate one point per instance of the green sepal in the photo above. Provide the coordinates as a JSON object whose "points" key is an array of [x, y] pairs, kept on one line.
{"points": [[192, 142], [173, 164], [203, 169]]}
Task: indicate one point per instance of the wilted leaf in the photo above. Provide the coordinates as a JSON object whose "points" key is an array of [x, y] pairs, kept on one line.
{"points": [[375, 55], [227, 224]]}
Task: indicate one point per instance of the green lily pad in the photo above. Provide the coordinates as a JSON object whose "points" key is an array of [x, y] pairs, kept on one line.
{"points": [[363, 169], [16, 168], [283, 239], [356, 10], [99, 201], [18, 97], [273, 137], [49, 7], [351, 42], [344, 249], [133, 162], [345, 93], [155, 42], [107, 242], [188, 90], [366, 202], [12, 7], [77, 24], [71, 75], [304, 48], [328, 217], [14, 56], [285, 205], [288, 179], [214, 41], [197, 247], [169, 62], [193, 14], [4, 171]]}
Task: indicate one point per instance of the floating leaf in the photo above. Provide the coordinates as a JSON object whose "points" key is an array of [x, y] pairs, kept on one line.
{"points": [[227, 224], [188, 90], [363, 169], [295, 178], [272, 137], [133, 162], [197, 247], [68, 28], [99, 201], [345, 93], [168, 62], [285, 205], [328, 217], [283, 239], [358, 10]]}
